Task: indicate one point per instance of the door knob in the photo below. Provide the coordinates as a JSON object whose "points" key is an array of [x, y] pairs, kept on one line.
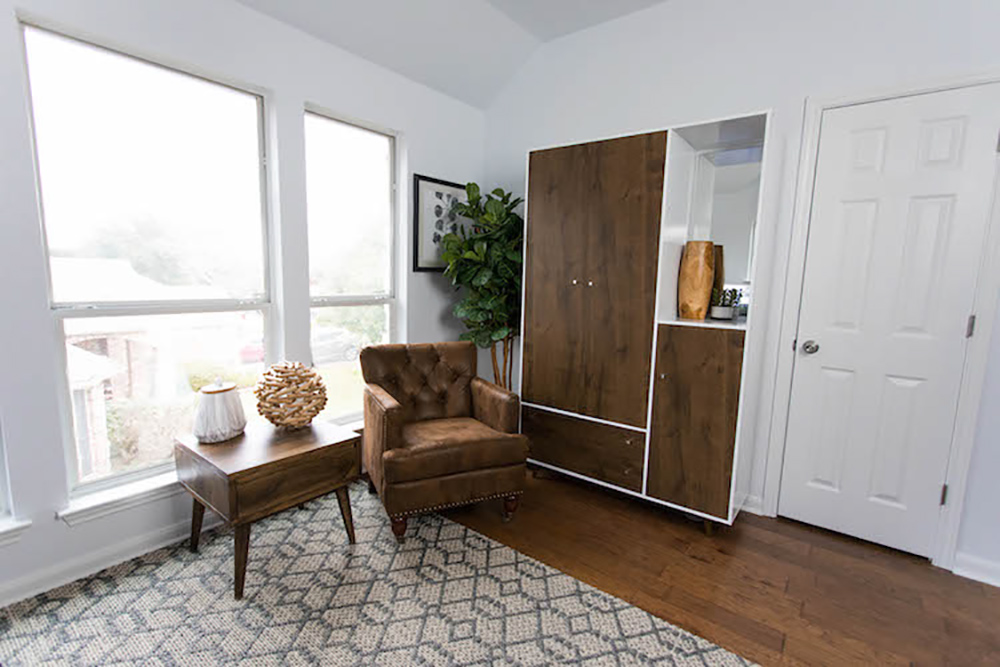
{"points": [[810, 347]]}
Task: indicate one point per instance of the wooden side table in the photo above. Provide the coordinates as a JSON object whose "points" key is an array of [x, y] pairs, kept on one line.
{"points": [[264, 471]]}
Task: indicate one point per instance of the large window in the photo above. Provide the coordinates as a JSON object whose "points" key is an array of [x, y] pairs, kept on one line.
{"points": [[151, 191], [349, 185]]}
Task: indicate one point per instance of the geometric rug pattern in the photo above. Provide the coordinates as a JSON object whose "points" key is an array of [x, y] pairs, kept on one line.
{"points": [[448, 596]]}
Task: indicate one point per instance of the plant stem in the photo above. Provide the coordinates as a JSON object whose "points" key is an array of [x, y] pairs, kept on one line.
{"points": [[510, 367], [506, 353], [493, 356]]}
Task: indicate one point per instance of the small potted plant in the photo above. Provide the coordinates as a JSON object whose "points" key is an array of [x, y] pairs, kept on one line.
{"points": [[724, 303]]}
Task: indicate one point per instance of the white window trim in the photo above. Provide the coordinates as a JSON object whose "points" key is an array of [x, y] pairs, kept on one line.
{"points": [[390, 298], [11, 530], [120, 497], [86, 491]]}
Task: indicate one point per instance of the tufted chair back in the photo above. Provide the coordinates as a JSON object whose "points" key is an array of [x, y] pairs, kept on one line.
{"points": [[430, 380]]}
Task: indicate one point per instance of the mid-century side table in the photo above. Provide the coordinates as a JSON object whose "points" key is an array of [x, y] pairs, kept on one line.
{"points": [[264, 471]]}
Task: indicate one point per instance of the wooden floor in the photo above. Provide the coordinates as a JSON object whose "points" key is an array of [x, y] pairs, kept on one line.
{"points": [[774, 591]]}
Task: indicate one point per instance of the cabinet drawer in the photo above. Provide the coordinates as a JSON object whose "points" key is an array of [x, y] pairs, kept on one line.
{"points": [[607, 453]]}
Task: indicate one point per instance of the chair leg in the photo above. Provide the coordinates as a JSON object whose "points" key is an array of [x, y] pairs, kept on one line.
{"points": [[399, 529], [509, 507], [371, 487]]}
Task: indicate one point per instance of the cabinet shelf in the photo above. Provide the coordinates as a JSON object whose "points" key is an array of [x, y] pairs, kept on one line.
{"points": [[739, 325]]}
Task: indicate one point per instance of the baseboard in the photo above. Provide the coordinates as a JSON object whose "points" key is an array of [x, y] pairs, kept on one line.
{"points": [[980, 569], [95, 561], [753, 505]]}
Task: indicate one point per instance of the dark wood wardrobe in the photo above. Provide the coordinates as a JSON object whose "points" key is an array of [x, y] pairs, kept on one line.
{"points": [[609, 394]]}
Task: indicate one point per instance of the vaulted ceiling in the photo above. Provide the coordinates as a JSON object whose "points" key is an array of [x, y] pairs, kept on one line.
{"points": [[465, 48]]}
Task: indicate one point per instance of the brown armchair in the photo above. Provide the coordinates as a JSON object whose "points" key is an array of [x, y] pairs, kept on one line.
{"points": [[436, 435]]}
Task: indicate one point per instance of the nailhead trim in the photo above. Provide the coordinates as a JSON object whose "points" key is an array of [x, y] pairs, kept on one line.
{"points": [[447, 505]]}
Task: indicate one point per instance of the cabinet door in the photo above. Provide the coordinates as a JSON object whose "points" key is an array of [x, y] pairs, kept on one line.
{"points": [[593, 244], [695, 401], [553, 302]]}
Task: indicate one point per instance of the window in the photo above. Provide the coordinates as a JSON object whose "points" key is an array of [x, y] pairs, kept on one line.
{"points": [[349, 186], [152, 199]]}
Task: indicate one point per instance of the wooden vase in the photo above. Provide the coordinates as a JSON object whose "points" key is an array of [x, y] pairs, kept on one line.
{"points": [[719, 281], [697, 275]]}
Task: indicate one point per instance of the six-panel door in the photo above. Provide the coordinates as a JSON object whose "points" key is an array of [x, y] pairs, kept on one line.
{"points": [[592, 245], [902, 195]]}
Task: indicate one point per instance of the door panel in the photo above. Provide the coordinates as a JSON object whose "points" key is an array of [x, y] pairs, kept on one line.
{"points": [[901, 199], [554, 257], [695, 403], [593, 239]]}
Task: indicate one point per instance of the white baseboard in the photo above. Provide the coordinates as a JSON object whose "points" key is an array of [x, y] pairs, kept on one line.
{"points": [[91, 563], [754, 505], [980, 569]]}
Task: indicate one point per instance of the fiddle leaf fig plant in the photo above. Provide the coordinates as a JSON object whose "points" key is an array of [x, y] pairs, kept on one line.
{"points": [[486, 262]]}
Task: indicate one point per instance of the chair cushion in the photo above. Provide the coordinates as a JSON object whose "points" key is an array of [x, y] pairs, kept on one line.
{"points": [[439, 447]]}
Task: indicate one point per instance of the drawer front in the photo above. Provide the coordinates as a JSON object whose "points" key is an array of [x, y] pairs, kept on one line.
{"points": [[277, 486], [606, 453]]}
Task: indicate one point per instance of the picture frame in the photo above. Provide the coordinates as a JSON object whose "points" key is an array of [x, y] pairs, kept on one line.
{"points": [[432, 219]]}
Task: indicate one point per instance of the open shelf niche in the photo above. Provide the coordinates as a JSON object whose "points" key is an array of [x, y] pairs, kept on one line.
{"points": [[711, 193]]}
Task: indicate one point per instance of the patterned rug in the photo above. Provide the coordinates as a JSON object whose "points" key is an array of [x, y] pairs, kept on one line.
{"points": [[448, 596]]}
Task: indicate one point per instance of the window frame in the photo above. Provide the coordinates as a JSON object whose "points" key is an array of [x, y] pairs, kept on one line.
{"points": [[390, 298], [61, 311]]}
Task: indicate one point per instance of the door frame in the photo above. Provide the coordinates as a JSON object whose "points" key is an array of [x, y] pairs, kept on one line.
{"points": [[985, 303]]}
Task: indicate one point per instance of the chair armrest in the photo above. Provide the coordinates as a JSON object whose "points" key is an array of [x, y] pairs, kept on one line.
{"points": [[495, 406], [383, 428]]}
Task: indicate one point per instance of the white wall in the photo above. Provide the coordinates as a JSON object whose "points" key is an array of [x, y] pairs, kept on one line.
{"points": [[225, 41], [691, 60]]}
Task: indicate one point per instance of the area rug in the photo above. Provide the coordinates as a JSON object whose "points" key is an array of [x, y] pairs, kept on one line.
{"points": [[448, 596]]}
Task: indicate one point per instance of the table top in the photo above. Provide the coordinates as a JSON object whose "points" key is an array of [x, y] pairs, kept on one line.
{"points": [[263, 444]]}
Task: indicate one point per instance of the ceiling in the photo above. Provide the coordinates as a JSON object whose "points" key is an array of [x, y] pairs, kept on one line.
{"points": [[548, 19], [468, 49]]}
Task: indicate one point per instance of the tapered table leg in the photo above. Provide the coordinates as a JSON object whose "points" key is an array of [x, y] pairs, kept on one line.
{"points": [[242, 547], [197, 516], [345, 511]]}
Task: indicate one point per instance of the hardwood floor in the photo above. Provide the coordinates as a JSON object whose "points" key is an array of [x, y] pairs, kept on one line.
{"points": [[772, 590]]}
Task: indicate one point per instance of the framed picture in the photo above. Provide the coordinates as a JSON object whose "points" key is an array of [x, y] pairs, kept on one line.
{"points": [[432, 219]]}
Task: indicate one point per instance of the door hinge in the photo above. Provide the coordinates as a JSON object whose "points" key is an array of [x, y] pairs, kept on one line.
{"points": [[795, 344], [944, 494], [970, 326], [998, 142]]}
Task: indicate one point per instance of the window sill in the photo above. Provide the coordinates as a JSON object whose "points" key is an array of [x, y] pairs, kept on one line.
{"points": [[110, 501], [11, 529]]}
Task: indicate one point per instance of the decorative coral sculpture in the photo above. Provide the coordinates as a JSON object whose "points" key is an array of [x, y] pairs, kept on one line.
{"points": [[290, 395]]}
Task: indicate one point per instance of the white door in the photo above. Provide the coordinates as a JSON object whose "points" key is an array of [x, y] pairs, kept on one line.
{"points": [[901, 200]]}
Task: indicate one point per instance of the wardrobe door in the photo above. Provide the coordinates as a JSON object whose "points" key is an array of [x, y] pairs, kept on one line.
{"points": [[623, 241], [553, 296], [592, 248], [695, 402]]}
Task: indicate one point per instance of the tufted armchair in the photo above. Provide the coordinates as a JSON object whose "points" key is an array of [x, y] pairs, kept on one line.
{"points": [[436, 435]]}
